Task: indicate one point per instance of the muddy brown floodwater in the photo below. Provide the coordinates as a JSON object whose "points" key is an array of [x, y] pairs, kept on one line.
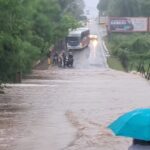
{"points": [[69, 109]]}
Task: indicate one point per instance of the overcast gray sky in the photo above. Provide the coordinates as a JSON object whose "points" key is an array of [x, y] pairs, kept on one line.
{"points": [[92, 6]]}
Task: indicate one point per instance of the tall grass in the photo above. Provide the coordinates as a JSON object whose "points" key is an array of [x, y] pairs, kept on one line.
{"points": [[130, 48]]}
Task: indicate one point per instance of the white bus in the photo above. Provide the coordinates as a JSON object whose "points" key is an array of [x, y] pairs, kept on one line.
{"points": [[78, 39]]}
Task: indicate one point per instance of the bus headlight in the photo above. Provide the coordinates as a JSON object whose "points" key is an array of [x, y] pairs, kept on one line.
{"points": [[81, 45]]}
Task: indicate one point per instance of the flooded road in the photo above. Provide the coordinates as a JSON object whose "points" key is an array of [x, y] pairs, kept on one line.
{"points": [[70, 109]]}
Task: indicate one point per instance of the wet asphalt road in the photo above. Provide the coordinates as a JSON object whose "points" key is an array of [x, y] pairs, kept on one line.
{"points": [[94, 56], [69, 109]]}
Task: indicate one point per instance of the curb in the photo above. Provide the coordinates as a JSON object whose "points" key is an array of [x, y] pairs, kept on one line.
{"points": [[106, 50]]}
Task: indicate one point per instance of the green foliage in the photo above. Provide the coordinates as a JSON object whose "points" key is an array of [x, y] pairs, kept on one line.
{"points": [[29, 28], [114, 63], [144, 7], [103, 5], [74, 7], [130, 47], [124, 8]]}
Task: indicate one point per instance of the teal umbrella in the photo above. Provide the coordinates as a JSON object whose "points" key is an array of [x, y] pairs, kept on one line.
{"points": [[135, 124]]}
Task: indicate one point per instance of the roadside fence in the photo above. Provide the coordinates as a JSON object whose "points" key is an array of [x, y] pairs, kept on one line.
{"points": [[142, 68]]}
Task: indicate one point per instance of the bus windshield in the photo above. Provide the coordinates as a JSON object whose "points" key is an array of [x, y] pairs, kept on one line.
{"points": [[73, 39]]}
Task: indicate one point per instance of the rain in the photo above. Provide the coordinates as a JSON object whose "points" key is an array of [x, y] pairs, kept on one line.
{"points": [[70, 108]]}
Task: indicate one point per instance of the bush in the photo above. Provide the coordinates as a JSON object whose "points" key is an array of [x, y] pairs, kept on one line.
{"points": [[27, 30], [130, 46]]}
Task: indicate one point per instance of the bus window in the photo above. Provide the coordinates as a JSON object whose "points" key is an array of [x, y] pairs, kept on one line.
{"points": [[73, 39]]}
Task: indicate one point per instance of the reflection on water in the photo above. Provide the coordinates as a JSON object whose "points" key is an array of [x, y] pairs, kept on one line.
{"points": [[92, 56], [95, 54], [94, 43]]}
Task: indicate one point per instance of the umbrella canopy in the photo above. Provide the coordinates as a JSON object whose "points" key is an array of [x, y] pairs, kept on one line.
{"points": [[135, 124]]}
